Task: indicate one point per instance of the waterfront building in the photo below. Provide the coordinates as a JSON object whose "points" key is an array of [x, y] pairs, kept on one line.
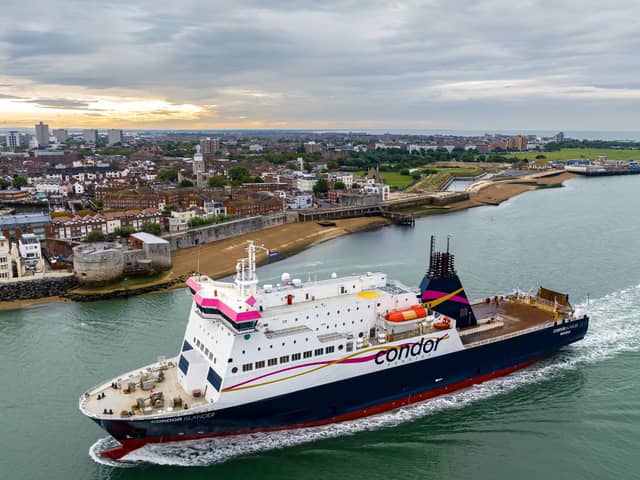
{"points": [[301, 201], [6, 269], [214, 208], [256, 204], [179, 220], [90, 135], [42, 134], [13, 139], [30, 252], [114, 136], [14, 226], [107, 261], [61, 134]]}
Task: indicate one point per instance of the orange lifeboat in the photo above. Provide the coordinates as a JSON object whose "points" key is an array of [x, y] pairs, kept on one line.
{"points": [[443, 324], [406, 314]]}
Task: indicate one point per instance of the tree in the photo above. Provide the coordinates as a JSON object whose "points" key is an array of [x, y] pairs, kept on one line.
{"points": [[4, 184], [239, 175], [99, 204], [217, 181], [153, 228], [19, 182], [124, 232], [321, 187], [95, 236], [185, 183], [339, 185], [170, 174]]}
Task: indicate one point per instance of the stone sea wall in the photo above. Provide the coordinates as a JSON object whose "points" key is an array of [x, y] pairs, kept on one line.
{"points": [[36, 288], [220, 231]]}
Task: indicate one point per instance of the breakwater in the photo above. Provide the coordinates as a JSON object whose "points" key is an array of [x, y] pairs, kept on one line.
{"points": [[37, 288]]}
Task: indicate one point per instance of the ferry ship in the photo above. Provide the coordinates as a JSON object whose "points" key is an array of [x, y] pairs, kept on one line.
{"points": [[298, 354]]}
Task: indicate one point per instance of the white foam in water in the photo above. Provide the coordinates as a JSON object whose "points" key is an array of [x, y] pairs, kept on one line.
{"points": [[614, 328]]}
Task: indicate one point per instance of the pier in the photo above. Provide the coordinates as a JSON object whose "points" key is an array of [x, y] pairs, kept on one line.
{"points": [[364, 211], [387, 209]]}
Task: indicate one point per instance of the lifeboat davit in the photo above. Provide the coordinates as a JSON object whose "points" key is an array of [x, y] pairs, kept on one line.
{"points": [[443, 324], [411, 313]]}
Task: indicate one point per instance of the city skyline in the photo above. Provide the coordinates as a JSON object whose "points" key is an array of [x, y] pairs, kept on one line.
{"points": [[339, 65]]}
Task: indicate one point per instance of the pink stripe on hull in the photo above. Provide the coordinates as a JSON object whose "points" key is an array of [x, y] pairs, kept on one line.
{"points": [[191, 282], [435, 294], [226, 309]]}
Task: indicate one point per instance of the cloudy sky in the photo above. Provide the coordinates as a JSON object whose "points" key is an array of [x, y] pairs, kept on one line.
{"points": [[450, 64]]}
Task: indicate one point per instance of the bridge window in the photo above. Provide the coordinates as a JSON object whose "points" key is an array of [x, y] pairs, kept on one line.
{"points": [[272, 361], [247, 367], [330, 349], [319, 351], [284, 359], [307, 354], [295, 356], [260, 364]]}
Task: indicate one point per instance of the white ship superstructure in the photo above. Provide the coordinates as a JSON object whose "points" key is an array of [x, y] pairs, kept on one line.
{"points": [[256, 337]]}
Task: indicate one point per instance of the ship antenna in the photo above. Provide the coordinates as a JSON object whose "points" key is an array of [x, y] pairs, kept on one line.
{"points": [[432, 266]]}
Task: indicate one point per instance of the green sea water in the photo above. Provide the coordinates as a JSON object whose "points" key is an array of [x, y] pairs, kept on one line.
{"points": [[573, 416]]}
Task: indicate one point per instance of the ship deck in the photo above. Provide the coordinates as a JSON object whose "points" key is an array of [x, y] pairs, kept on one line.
{"points": [[506, 318], [120, 402]]}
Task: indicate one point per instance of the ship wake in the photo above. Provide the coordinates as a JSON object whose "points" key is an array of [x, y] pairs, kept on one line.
{"points": [[614, 329]]}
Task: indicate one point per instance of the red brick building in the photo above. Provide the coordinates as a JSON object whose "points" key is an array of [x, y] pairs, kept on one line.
{"points": [[77, 228], [252, 205]]}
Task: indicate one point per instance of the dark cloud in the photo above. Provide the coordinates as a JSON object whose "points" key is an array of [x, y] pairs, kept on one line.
{"points": [[61, 103], [488, 64], [21, 44]]}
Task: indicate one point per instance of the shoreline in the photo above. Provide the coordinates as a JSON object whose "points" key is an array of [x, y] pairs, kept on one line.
{"points": [[218, 259]]}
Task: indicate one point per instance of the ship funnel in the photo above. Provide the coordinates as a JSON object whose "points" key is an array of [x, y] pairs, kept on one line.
{"points": [[441, 289]]}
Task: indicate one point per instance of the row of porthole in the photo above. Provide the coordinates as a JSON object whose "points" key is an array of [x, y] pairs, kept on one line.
{"points": [[285, 359]]}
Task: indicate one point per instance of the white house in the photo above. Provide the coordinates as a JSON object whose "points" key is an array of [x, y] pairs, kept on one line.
{"points": [[30, 252]]}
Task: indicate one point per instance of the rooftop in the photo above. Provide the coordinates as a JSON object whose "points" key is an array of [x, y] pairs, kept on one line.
{"points": [[13, 221], [148, 238]]}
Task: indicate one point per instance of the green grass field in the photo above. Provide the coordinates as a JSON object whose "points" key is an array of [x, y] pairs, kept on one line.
{"points": [[587, 153], [394, 179]]}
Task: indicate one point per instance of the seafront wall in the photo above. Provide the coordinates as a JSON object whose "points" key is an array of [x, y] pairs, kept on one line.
{"points": [[37, 288], [220, 231]]}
